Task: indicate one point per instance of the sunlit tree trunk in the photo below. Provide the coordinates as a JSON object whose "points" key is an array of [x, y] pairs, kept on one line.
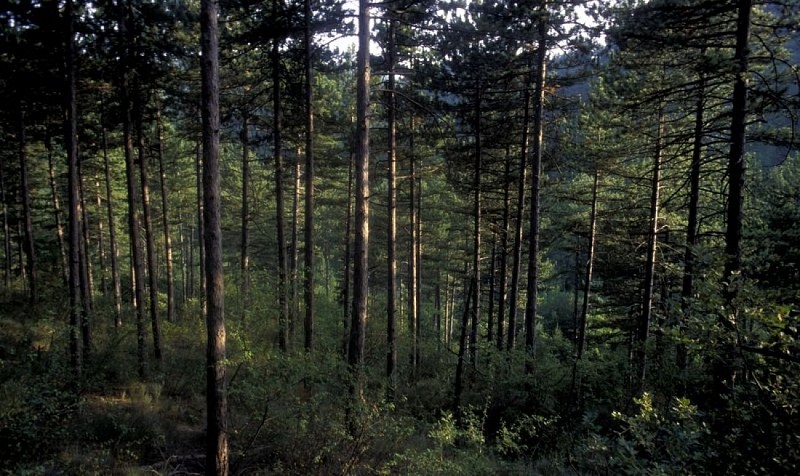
{"points": [[56, 206], [361, 223], [391, 179], [216, 398], [643, 328]]}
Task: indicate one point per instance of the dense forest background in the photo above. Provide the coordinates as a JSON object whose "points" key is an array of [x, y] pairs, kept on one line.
{"points": [[541, 237]]}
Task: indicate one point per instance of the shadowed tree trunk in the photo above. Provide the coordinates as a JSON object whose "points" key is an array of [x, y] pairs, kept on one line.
{"points": [[7, 258], [27, 240], [476, 244], [71, 143], [501, 301], [112, 236], [277, 126], [244, 252], [308, 284], [531, 309], [216, 398], [165, 219]]}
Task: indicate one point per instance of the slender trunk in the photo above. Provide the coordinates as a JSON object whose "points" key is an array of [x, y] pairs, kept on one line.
{"points": [[724, 372], [361, 244], [584, 319], [687, 290], [308, 285], [501, 300], [244, 251], [216, 398], [531, 309], [28, 243], [112, 235], [462, 348], [101, 244], [85, 272], [513, 296], [643, 328], [137, 261], [576, 289], [277, 126], [165, 219], [294, 248], [492, 283], [413, 317], [62, 249], [152, 270], [7, 258], [391, 179], [71, 143], [346, 311], [201, 243], [476, 244]]}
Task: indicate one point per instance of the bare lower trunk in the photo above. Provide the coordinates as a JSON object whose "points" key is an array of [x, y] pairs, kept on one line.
{"points": [[165, 220], [391, 180], [308, 285], [62, 249], [27, 220], [277, 126]]}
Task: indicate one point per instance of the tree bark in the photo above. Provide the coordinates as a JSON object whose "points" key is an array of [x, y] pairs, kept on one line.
{"points": [[7, 254], [277, 126], [531, 309], [28, 245], [149, 239], [71, 143], [476, 243], [643, 328], [308, 284], [244, 250], [391, 179], [413, 292], [62, 249], [501, 301], [137, 263], [361, 224], [587, 286], [165, 219], [216, 398]]}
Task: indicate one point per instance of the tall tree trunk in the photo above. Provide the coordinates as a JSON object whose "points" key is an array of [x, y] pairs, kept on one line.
{"points": [[531, 309], [86, 285], [62, 249], [458, 389], [492, 290], [201, 242], [101, 239], [294, 247], [361, 224], [476, 243], [643, 328], [165, 219], [112, 236], [391, 180], [413, 294], [137, 260], [346, 288], [216, 398], [149, 239], [244, 252], [7, 254], [501, 302], [723, 371], [71, 143], [513, 296], [277, 126], [28, 245], [308, 285]]}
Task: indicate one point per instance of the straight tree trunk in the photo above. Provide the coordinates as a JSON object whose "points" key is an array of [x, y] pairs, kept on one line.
{"points": [[458, 389], [7, 254], [201, 242], [346, 289], [308, 284], [391, 179], [62, 249], [361, 223], [584, 319], [492, 284], [170, 268], [216, 398], [71, 143], [501, 302], [244, 252], [294, 248], [476, 244], [149, 238], [112, 236], [413, 294], [277, 126], [687, 289], [531, 309], [643, 328], [513, 297], [137, 260], [28, 242], [87, 287], [101, 239]]}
